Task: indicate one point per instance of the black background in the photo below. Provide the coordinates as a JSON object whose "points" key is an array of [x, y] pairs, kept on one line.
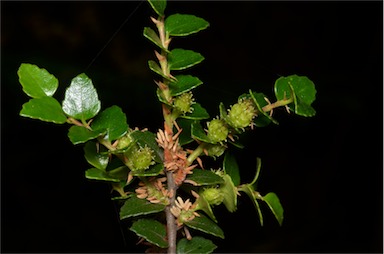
{"points": [[327, 170]]}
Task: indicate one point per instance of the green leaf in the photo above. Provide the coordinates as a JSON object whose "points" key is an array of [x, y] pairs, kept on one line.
{"points": [[161, 98], [93, 156], [274, 204], [98, 174], [198, 113], [151, 35], [198, 133], [152, 231], [136, 206], [184, 83], [250, 191], [184, 24], [81, 101], [202, 204], [113, 120], [148, 138], [229, 191], [36, 82], [231, 168], [197, 244], [205, 225], [180, 59], [258, 167], [156, 69], [158, 6], [152, 171], [45, 108], [264, 119], [205, 177], [185, 136], [301, 89], [78, 134]]}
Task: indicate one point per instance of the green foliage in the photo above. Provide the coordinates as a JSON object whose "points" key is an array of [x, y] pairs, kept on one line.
{"points": [[149, 172]]}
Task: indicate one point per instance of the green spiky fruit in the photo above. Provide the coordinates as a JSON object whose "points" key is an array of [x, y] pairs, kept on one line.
{"points": [[124, 141], [140, 158], [215, 150], [241, 114], [213, 196], [184, 102], [217, 130]]}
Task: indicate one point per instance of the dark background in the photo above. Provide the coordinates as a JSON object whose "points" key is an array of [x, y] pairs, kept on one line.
{"points": [[327, 170]]}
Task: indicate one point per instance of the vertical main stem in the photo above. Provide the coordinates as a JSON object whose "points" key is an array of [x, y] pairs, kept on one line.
{"points": [[171, 222]]}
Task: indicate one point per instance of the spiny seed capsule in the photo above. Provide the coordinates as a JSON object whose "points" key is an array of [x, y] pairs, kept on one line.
{"points": [[184, 102], [124, 141], [140, 158], [213, 196], [217, 130], [215, 150], [241, 114]]}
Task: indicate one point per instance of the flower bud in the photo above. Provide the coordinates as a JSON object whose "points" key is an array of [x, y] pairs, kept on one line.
{"points": [[184, 102], [213, 196], [217, 130], [139, 158], [241, 114]]}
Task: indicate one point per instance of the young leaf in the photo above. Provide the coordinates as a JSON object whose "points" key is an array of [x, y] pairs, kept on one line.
{"points": [[45, 108], [183, 83], [113, 120], [158, 6], [205, 225], [151, 35], [184, 24], [136, 206], [250, 191], [204, 177], [152, 171], [274, 204], [95, 158], [100, 175], [264, 118], [231, 168], [301, 89], [81, 100], [78, 134], [36, 82], [203, 205], [197, 133], [152, 231], [185, 136], [198, 113], [153, 66], [148, 138], [230, 193], [197, 244], [180, 59]]}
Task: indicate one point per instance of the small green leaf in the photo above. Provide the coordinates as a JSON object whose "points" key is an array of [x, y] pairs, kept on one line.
{"points": [[148, 138], [230, 193], [158, 6], [36, 82], [205, 225], [152, 171], [156, 69], [151, 35], [180, 59], [152, 231], [184, 24], [205, 177], [264, 118], [301, 89], [161, 98], [185, 136], [250, 191], [198, 133], [81, 100], [274, 204], [136, 206], [113, 120], [203, 205], [78, 134], [197, 244], [45, 108], [100, 175], [184, 83], [198, 113], [94, 157], [231, 168], [258, 167]]}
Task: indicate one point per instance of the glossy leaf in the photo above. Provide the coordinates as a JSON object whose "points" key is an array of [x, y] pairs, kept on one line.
{"points": [[301, 89], [204, 177], [184, 24], [158, 6], [274, 204], [197, 244], [231, 168], [156, 69], [152, 231], [100, 175], [198, 113], [198, 133], [250, 191], [180, 59], [203, 205], [78, 134], [148, 138], [151, 35], [229, 191], [81, 100], [184, 83], [113, 120], [185, 136], [45, 109], [93, 156], [152, 171], [263, 118], [204, 224], [36, 82], [136, 206], [161, 98]]}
